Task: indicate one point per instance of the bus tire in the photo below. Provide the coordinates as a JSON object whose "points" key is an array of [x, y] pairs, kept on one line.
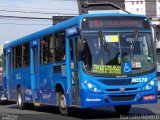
{"points": [[20, 101], [122, 109], [62, 104]]}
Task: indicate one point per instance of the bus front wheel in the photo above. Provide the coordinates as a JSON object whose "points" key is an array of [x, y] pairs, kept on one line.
{"points": [[122, 109], [20, 102], [63, 104]]}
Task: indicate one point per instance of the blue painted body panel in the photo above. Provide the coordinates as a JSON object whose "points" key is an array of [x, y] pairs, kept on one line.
{"points": [[85, 94], [40, 87], [20, 77], [47, 83]]}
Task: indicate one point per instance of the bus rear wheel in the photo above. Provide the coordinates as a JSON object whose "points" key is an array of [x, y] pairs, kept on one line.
{"points": [[122, 109], [63, 104], [20, 101]]}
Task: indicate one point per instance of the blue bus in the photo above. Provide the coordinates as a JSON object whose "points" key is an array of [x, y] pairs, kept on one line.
{"points": [[91, 60]]}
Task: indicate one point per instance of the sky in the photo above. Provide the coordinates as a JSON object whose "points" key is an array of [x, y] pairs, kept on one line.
{"points": [[11, 29]]}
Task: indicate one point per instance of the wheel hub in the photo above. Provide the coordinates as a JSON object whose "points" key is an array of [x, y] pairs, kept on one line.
{"points": [[19, 99]]}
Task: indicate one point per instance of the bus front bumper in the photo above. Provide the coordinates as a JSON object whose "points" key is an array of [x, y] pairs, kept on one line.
{"points": [[90, 99]]}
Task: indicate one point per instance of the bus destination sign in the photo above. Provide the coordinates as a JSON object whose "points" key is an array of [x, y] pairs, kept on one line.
{"points": [[114, 23]]}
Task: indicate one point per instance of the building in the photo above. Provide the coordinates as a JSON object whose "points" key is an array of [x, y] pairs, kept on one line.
{"points": [[145, 7], [136, 6], [150, 8], [158, 8]]}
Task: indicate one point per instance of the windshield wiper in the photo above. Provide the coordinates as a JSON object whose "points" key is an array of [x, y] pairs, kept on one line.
{"points": [[134, 41], [102, 37], [103, 41]]}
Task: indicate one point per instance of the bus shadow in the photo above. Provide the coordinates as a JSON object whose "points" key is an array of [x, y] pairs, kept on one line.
{"points": [[96, 113], [108, 113], [141, 111], [45, 109], [7, 102]]}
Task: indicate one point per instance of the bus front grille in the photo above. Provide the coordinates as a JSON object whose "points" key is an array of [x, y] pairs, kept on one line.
{"points": [[122, 97], [117, 82], [118, 90]]}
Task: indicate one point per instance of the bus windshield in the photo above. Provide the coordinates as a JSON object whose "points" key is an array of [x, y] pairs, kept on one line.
{"points": [[106, 53]]}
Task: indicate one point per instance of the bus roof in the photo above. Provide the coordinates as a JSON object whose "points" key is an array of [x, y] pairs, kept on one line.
{"points": [[60, 26]]}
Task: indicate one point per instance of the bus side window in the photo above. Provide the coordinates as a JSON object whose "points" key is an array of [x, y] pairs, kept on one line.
{"points": [[60, 46], [26, 54], [18, 56], [47, 49], [4, 60], [13, 57]]}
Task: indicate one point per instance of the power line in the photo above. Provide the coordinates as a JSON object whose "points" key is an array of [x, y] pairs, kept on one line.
{"points": [[24, 24], [39, 12], [30, 18], [41, 18], [41, 7], [26, 20], [44, 12], [146, 1], [21, 17], [21, 11], [13, 7]]}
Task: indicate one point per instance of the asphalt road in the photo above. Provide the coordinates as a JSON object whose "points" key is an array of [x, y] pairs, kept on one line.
{"points": [[11, 112]]}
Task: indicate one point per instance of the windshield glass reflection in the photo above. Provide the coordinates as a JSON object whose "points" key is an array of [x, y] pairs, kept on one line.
{"points": [[108, 53]]}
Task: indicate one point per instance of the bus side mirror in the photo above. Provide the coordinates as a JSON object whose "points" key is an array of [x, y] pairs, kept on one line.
{"points": [[154, 31]]}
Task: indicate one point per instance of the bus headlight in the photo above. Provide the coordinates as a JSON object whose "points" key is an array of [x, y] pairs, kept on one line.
{"points": [[95, 89], [150, 84], [91, 87]]}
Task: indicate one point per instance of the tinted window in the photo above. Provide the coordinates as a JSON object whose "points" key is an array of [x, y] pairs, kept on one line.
{"points": [[60, 46], [26, 54], [47, 49], [18, 56], [4, 60]]}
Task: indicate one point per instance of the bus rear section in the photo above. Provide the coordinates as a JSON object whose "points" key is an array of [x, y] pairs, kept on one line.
{"points": [[118, 65]]}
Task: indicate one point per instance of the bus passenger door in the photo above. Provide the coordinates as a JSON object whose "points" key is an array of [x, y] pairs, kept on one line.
{"points": [[34, 71], [74, 71], [8, 74]]}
